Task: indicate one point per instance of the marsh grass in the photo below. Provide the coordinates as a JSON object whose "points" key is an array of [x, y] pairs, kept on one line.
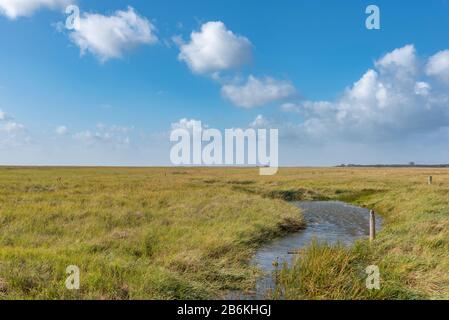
{"points": [[174, 233], [134, 233], [336, 272]]}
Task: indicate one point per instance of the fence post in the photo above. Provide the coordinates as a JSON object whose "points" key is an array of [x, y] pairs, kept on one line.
{"points": [[430, 180], [372, 225]]}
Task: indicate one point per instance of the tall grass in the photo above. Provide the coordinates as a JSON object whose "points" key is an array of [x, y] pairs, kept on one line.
{"points": [[134, 233], [335, 272], [158, 233]]}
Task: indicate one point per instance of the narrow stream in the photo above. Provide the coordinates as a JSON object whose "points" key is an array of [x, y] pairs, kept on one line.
{"points": [[330, 221]]}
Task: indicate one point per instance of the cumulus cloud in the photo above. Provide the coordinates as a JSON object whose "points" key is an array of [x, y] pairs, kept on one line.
{"points": [[257, 92], [108, 37], [438, 65], [401, 59], [214, 48], [14, 9], [389, 102]]}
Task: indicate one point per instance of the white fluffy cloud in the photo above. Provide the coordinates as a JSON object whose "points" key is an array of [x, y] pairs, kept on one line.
{"points": [[14, 9], [215, 48], [108, 37], [403, 59], [438, 65], [392, 101], [257, 92]]}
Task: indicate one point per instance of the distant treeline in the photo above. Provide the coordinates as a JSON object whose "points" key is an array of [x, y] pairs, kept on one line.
{"points": [[393, 165]]}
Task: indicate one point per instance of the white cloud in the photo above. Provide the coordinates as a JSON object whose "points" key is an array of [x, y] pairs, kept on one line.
{"points": [[12, 133], [108, 37], [257, 92], [188, 124], [214, 48], [290, 107], [61, 130], [259, 122], [389, 102], [12, 127], [401, 59], [422, 88], [14, 9], [177, 40], [3, 115], [116, 136], [8, 125], [184, 124], [438, 65]]}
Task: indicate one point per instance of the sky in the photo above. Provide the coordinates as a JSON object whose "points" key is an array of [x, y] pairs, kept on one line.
{"points": [[109, 90]]}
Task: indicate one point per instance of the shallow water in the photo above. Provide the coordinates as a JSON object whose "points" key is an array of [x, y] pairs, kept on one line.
{"points": [[329, 221]]}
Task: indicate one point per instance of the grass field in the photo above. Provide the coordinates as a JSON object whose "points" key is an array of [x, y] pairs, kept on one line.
{"points": [[155, 233]]}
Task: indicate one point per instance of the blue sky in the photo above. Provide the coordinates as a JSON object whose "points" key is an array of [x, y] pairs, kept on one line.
{"points": [[80, 97]]}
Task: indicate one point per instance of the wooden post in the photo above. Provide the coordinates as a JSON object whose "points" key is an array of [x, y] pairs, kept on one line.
{"points": [[372, 225], [430, 180]]}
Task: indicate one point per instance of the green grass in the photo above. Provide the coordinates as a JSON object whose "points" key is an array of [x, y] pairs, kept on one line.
{"points": [[336, 272], [134, 233], [156, 233]]}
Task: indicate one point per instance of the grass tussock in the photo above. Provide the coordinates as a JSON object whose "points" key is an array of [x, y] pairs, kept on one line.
{"points": [[335, 272]]}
